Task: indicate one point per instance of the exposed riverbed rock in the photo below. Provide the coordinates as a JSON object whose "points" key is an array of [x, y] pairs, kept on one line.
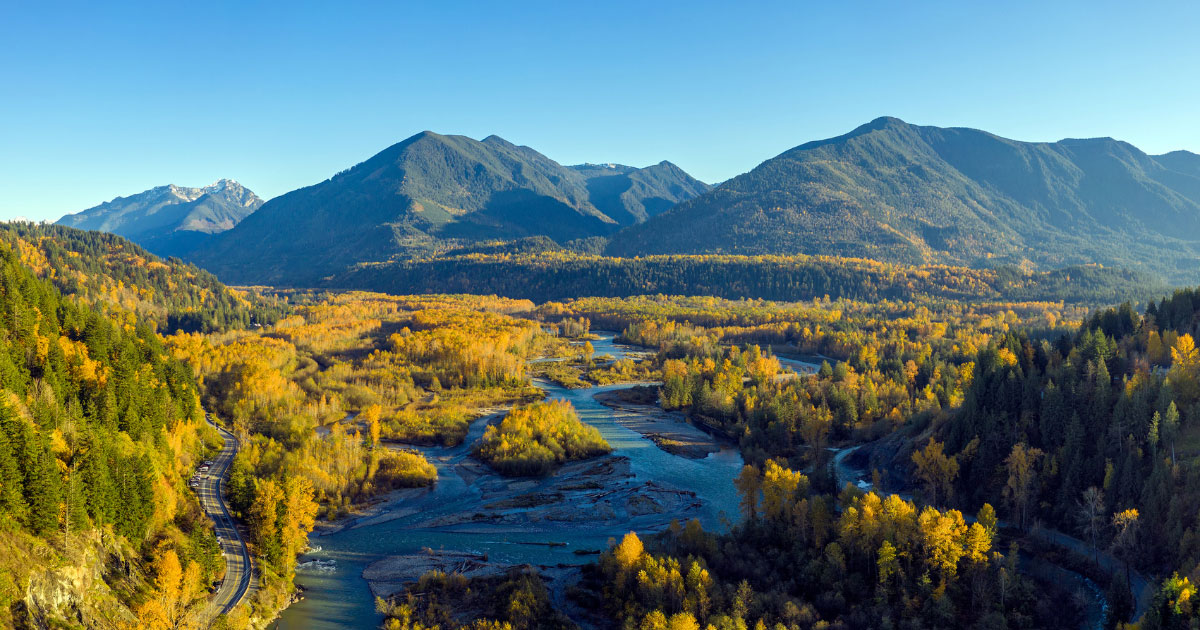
{"points": [[384, 508], [669, 431], [391, 574], [599, 491]]}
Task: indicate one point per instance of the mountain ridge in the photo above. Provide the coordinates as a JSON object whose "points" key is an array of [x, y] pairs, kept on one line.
{"points": [[426, 193], [899, 192], [170, 220]]}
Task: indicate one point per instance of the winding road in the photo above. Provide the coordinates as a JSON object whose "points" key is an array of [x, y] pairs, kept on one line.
{"points": [[238, 567]]}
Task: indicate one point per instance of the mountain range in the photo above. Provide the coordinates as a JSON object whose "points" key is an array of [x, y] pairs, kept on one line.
{"points": [[898, 192], [170, 220], [888, 191], [431, 192]]}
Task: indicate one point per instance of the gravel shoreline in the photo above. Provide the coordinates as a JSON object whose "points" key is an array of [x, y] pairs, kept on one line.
{"points": [[669, 430]]}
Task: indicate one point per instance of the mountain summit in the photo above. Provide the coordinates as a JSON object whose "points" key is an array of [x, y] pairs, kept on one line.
{"points": [[170, 220], [432, 190], [894, 191]]}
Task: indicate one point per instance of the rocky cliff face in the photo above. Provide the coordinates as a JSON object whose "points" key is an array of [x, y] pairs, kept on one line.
{"points": [[79, 587]]}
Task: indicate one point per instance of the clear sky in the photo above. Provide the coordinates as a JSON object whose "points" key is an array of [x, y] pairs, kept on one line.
{"points": [[101, 99]]}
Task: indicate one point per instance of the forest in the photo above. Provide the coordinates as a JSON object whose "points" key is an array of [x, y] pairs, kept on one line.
{"points": [[1093, 433], [802, 559], [99, 429], [117, 276], [544, 273]]}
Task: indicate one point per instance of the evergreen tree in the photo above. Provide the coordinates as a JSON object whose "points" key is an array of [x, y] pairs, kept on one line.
{"points": [[100, 495], [12, 499], [42, 493]]}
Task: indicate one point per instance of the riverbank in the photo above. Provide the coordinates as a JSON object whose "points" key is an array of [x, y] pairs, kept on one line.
{"points": [[670, 431], [395, 576], [379, 510]]}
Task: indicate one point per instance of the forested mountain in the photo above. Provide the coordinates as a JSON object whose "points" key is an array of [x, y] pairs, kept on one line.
{"points": [[430, 192], [115, 276], [170, 220], [99, 427], [894, 191]]}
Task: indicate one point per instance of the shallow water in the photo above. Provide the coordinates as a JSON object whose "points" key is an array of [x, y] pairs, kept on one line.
{"points": [[802, 367], [336, 596]]}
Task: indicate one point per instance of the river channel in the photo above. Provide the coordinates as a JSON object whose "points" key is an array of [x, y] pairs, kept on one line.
{"points": [[337, 596]]}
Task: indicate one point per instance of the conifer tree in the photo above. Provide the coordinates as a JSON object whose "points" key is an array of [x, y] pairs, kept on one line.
{"points": [[42, 493], [12, 500]]}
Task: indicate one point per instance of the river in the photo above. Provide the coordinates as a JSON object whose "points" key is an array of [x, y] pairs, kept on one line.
{"points": [[337, 596]]}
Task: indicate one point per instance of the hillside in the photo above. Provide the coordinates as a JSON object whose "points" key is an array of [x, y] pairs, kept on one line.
{"points": [[170, 220], [898, 192], [428, 193], [99, 429], [116, 276]]}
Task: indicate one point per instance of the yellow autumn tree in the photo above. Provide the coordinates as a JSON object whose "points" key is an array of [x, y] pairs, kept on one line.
{"points": [[682, 621], [175, 601], [781, 488], [941, 539], [654, 620], [937, 470], [299, 516], [370, 416], [1185, 368], [629, 551]]}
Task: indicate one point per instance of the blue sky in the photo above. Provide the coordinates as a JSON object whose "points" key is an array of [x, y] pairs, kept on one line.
{"points": [[107, 99]]}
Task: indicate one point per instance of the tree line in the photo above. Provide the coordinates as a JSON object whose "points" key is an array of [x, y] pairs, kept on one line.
{"points": [[559, 275]]}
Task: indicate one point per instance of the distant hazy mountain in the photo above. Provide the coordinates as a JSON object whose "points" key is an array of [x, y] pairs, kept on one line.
{"points": [[899, 192], [631, 195], [430, 192], [170, 220]]}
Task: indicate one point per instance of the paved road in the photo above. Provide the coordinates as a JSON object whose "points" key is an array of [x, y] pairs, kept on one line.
{"points": [[238, 568]]}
